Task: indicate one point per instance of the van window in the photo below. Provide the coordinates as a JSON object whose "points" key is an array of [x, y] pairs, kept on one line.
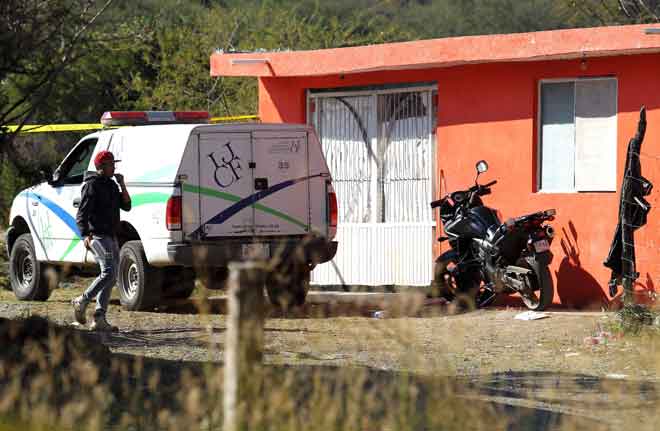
{"points": [[74, 167]]}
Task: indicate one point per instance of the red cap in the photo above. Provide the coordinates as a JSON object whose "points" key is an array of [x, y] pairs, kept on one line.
{"points": [[104, 157]]}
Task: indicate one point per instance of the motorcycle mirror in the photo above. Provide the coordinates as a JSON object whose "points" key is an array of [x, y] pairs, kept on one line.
{"points": [[482, 166]]}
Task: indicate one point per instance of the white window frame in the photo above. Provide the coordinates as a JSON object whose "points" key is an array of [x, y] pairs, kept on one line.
{"points": [[539, 130]]}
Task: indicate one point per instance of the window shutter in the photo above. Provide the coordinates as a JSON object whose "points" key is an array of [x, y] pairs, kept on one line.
{"points": [[557, 136], [596, 135]]}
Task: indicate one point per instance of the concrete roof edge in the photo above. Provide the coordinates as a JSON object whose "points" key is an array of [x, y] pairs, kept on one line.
{"points": [[447, 52]]}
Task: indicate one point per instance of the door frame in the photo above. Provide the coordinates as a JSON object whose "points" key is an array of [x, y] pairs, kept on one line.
{"points": [[430, 91]]}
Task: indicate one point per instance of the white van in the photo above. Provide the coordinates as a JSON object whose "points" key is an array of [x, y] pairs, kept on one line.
{"points": [[203, 195]]}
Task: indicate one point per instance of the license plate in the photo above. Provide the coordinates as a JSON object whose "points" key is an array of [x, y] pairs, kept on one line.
{"points": [[256, 251], [541, 246]]}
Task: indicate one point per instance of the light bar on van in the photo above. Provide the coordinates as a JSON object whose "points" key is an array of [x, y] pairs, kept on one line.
{"points": [[139, 118], [196, 116], [120, 118]]}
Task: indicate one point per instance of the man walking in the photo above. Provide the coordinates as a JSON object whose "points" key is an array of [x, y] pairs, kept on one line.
{"points": [[98, 221]]}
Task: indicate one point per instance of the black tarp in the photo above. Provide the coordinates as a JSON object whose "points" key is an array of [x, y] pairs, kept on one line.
{"points": [[633, 212]]}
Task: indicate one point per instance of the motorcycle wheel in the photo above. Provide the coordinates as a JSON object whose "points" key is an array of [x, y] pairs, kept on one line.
{"points": [[542, 290], [468, 292], [464, 289], [444, 282]]}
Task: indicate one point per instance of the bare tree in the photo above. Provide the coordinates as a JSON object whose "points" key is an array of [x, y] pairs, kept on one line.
{"points": [[39, 39]]}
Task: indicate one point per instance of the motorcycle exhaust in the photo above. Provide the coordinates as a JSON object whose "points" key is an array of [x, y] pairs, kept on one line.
{"points": [[549, 231]]}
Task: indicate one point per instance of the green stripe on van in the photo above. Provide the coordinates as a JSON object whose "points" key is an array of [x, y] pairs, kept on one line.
{"points": [[281, 215], [136, 200], [233, 198], [149, 198], [155, 198], [74, 242]]}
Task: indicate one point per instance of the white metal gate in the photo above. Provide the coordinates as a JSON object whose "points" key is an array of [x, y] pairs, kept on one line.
{"points": [[379, 148]]}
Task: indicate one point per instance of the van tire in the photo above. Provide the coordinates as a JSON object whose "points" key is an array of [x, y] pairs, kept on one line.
{"points": [[140, 284], [288, 285], [27, 275], [178, 283]]}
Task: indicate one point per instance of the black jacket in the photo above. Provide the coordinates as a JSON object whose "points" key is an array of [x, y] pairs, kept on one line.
{"points": [[100, 202]]}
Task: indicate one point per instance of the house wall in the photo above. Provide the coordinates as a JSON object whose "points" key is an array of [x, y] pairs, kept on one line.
{"points": [[489, 111]]}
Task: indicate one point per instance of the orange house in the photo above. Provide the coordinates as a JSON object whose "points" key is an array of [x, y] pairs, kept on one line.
{"points": [[552, 113]]}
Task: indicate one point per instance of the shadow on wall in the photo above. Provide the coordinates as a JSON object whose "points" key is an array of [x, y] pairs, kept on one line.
{"points": [[575, 286]]}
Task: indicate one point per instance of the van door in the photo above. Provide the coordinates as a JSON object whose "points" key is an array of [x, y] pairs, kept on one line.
{"points": [[59, 206], [281, 183], [226, 185]]}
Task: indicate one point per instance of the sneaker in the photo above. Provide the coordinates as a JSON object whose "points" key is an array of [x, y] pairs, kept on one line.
{"points": [[79, 307], [101, 324]]}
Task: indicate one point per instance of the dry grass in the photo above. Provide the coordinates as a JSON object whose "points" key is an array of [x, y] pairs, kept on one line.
{"points": [[326, 372], [636, 318], [55, 376], [66, 377]]}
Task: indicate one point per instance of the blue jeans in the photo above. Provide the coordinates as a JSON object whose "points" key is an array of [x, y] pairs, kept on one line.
{"points": [[106, 252]]}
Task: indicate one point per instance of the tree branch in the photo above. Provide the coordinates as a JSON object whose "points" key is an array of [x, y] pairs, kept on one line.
{"points": [[65, 60], [648, 10]]}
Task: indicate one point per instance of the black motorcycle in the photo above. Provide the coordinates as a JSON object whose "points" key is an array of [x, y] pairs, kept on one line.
{"points": [[488, 257]]}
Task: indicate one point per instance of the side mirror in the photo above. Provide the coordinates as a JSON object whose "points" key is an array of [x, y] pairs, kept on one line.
{"points": [[482, 166], [47, 175]]}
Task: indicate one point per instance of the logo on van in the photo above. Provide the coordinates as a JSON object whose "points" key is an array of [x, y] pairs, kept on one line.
{"points": [[295, 146], [227, 171]]}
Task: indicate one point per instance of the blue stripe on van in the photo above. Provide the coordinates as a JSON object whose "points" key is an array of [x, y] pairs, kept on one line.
{"points": [[228, 213], [59, 212]]}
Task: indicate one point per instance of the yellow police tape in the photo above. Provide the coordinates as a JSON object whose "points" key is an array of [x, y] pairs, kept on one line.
{"points": [[235, 118], [48, 128]]}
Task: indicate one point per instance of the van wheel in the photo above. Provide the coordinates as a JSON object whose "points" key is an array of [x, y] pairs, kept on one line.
{"points": [[178, 283], [140, 284], [288, 285], [27, 275]]}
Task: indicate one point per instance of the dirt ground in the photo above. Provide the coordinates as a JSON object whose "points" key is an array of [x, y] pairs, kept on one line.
{"points": [[339, 329], [550, 364], [556, 365]]}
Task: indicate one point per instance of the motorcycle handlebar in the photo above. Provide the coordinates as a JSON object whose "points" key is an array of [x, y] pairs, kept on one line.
{"points": [[437, 203], [479, 187], [474, 191]]}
